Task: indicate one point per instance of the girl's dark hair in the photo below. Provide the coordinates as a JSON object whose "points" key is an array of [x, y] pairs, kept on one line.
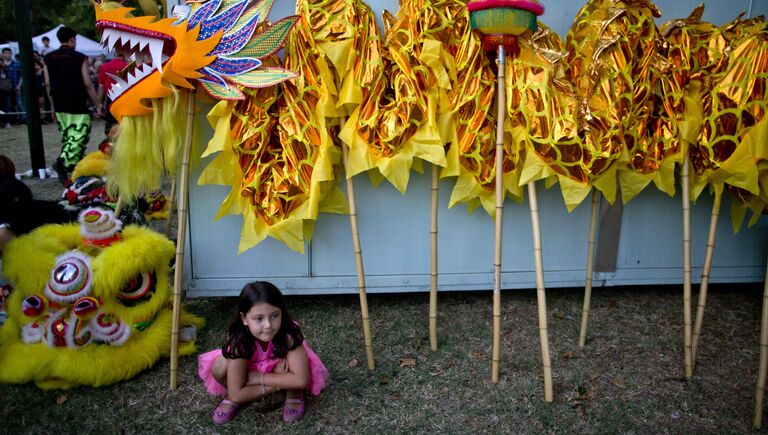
{"points": [[240, 343]]}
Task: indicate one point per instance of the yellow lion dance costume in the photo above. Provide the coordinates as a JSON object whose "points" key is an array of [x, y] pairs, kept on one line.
{"points": [[93, 308]]}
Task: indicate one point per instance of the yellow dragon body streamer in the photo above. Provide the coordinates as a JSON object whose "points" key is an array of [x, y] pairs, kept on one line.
{"points": [[543, 107], [405, 95], [732, 147], [472, 150], [605, 44]]}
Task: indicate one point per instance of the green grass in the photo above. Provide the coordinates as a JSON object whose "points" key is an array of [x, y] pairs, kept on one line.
{"points": [[629, 379]]}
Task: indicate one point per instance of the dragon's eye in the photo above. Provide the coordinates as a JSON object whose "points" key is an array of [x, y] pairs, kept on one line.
{"points": [[139, 289]]}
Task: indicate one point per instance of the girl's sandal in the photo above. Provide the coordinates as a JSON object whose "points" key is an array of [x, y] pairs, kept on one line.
{"points": [[291, 415], [221, 416]]}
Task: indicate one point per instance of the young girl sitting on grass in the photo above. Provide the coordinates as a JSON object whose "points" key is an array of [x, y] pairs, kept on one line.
{"points": [[264, 353]]}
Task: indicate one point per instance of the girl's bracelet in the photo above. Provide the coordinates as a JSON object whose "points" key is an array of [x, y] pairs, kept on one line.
{"points": [[263, 388]]}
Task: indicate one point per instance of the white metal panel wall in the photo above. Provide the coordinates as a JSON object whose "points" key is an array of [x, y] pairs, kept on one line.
{"points": [[395, 228]]}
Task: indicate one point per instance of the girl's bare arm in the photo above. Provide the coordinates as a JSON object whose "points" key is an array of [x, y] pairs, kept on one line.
{"points": [[296, 375], [239, 389]]}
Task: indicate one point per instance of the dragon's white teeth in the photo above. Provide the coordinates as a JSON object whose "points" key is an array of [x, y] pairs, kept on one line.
{"points": [[156, 50], [114, 91], [145, 51], [111, 39], [133, 77], [135, 43], [119, 81]]}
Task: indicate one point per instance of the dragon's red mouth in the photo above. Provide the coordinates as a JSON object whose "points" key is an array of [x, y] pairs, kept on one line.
{"points": [[147, 50]]}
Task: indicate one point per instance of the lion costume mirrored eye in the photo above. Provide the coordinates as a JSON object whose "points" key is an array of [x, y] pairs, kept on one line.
{"points": [[70, 278]]}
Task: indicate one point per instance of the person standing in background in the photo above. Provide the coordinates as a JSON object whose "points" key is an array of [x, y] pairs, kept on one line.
{"points": [[42, 84], [10, 71], [21, 117], [71, 87], [46, 46], [47, 103]]}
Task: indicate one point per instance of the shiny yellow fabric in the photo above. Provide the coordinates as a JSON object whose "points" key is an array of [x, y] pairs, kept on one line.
{"points": [[733, 144], [275, 152], [404, 90], [609, 48], [472, 127], [691, 50], [651, 158], [543, 112]]}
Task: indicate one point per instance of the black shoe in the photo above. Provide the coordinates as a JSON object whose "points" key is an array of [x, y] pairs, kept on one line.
{"points": [[61, 171]]}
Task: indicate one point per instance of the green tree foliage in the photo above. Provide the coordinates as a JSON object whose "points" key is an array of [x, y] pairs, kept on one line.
{"points": [[46, 14]]}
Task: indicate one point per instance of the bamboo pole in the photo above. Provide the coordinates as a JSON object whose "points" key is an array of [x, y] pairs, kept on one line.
{"points": [[433, 260], [705, 277], [358, 258], [757, 419], [540, 292], [498, 217], [118, 206], [687, 266], [181, 231], [590, 268], [171, 205]]}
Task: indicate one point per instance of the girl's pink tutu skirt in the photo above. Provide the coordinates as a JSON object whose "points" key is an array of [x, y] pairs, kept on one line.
{"points": [[318, 373]]}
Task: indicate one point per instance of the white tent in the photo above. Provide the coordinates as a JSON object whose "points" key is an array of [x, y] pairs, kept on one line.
{"points": [[13, 45], [86, 46]]}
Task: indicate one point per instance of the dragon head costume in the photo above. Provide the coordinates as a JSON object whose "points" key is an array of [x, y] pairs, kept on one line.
{"points": [[214, 45]]}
